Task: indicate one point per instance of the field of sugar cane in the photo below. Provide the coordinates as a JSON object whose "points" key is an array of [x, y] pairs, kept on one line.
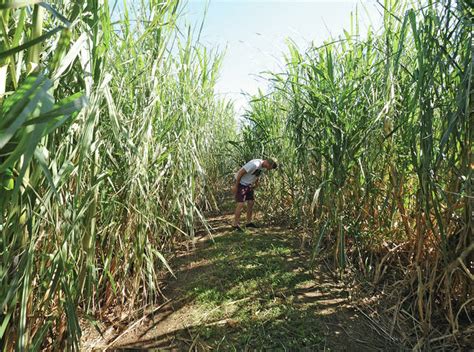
{"points": [[108, 140], [113, 146], [374, 137]]}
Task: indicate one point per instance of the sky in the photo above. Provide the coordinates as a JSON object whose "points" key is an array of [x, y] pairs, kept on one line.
{"points": [[253, 34]]}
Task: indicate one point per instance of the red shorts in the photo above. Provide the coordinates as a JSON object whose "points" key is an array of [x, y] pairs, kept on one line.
{"points": [[244, 193]]}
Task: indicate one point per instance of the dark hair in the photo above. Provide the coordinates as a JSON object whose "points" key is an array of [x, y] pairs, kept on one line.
{"points": [[272, 163]]}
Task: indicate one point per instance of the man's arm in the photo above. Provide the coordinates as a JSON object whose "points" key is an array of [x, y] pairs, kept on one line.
{"points": [[241, 173]]}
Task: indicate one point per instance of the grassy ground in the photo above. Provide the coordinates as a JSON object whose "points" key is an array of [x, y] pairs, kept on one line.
{"points": [[250, 291], [250, 283]]}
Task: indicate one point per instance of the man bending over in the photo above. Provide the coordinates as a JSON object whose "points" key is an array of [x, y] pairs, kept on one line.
{"points": [[246, 180]]}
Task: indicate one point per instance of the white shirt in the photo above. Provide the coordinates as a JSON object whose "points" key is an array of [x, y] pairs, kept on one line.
{"points": [[253, 170]]}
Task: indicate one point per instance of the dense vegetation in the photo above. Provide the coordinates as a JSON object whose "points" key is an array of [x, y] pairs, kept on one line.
{"points": [[375, 141], [111, 141], [108, 138]]}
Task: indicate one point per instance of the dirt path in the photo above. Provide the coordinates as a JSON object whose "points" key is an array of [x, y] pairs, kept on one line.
{"points": [[251, 291]]}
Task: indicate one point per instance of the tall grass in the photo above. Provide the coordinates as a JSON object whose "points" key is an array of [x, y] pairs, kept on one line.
{"points": [[109, 135], [374, 138]]}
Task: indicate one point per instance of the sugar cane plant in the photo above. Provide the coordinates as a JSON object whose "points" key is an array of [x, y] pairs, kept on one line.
{"points": [[111, 140], [108, 137], [376, 139]]}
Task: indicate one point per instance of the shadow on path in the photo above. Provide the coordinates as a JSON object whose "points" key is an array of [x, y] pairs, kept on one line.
{"points": [[251, 291]]}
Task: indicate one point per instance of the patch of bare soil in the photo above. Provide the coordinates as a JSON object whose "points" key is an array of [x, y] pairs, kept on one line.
{"points": [[249, 291]]}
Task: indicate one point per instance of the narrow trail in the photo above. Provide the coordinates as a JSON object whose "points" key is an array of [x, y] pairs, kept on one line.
{"points": [[251, 291]]}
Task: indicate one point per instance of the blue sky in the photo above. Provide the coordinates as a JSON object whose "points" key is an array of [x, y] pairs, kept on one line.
{"points": [[254, 33]]}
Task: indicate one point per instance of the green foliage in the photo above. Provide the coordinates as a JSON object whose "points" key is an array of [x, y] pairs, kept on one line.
{"points": [[373, 137], [108, 137]]}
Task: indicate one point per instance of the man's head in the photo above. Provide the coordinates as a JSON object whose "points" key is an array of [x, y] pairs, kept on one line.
{"points": [[269, 164]]}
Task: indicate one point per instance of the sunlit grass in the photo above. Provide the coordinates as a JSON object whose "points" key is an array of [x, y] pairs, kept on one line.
{"points": [[244, 296]]}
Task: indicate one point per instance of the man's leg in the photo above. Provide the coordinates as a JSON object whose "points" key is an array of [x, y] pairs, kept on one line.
{"points": [[238, 210], [250, 211]]}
